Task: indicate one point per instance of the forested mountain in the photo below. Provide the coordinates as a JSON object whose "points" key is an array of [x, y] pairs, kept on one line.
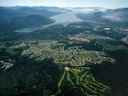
{"points": [[51, 51]]}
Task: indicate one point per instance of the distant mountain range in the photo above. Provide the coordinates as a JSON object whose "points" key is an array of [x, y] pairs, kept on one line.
{"points": [[34, 15], [37, 19], [16, 14]]}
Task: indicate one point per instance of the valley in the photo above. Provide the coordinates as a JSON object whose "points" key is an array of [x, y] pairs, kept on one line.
{"points": [[52, 51]]}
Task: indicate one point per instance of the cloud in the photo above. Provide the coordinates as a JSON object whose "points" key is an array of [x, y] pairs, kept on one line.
{"points": [[67, 3], [38, 1]]}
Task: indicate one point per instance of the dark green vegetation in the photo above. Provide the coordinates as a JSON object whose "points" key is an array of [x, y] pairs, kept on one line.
{"points": [[80, 59], [45, 68]]}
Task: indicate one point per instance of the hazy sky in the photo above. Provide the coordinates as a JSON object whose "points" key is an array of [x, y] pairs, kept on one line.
{"points": [[67, 3]]}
